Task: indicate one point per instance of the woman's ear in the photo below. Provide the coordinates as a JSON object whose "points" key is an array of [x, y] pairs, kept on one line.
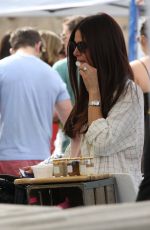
{"points": [[143, 40], [144, 44]]}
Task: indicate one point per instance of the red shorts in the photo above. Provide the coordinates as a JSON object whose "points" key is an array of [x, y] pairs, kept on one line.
{"points": [[12, 167]]}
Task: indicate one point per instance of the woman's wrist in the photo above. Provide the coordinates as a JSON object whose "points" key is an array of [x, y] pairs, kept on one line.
{"points": [[94, 103], [94, 95]]}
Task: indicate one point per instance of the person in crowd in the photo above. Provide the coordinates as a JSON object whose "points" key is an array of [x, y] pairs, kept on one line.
{"points": [[141, 70], [61, 67], [62, 53], [30, 90], [5, 45], [107, 119], [141, 67], [52, 45]]}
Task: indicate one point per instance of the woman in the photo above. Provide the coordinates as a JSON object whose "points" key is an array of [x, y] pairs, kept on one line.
{"points": [[52, 45], [141, 70], [107, 119], [141, 67]]}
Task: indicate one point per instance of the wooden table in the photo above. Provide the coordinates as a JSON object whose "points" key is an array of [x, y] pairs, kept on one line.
{"points": [[81, 190]]}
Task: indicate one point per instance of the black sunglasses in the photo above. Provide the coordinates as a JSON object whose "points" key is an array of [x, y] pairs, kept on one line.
{"points": [[81, 46]]}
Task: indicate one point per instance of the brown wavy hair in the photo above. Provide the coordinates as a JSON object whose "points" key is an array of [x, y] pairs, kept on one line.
{"points": [[107, 49], [52, 45]]}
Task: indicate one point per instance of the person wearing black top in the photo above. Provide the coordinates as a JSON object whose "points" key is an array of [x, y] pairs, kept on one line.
{"points": [[141, 69]]}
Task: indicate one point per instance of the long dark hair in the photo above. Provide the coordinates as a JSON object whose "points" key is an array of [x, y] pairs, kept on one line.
{"points": [[107, 50]]}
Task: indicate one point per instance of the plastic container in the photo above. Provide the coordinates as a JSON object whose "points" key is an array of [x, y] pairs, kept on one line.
{"points": [[42, 171]]}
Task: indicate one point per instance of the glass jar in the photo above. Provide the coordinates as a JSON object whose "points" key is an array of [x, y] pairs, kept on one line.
{"points": [[83, 168], [90, 166], [73, 167], [86, 166], [60, 167]]}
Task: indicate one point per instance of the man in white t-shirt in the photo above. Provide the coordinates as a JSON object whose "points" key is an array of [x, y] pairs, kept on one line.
{"points": [[29, 91]]}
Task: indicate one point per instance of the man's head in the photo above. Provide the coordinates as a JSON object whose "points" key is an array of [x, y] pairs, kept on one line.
{"points": [[25, 37]]}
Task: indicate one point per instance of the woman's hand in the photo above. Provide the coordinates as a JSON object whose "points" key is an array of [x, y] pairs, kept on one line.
{"points": [[89, 76], [28, 170], [76, 146]]}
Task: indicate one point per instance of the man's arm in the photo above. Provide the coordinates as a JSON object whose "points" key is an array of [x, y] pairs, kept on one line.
{"points": [[63, 109]]}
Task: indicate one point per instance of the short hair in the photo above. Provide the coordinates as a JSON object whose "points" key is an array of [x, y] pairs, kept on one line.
{"points": [[25, 36], [72, 21]]}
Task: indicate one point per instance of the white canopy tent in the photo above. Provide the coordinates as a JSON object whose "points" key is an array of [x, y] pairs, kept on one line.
{"points": [[61, 7]]}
